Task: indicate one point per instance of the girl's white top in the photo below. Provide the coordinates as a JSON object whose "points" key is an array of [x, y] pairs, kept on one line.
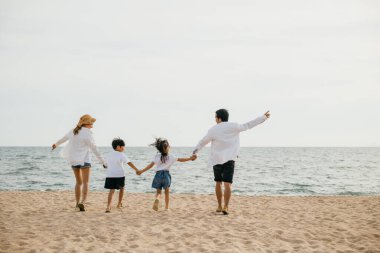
{"points": [[169, 161], [77, 151], [225, 142], [115, 161]]}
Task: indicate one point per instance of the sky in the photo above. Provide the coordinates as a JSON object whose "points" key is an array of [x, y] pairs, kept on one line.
{"points": [[148, 69]]}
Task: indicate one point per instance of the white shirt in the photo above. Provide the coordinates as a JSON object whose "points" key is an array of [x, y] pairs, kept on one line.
{"points": [[115, 162], [170, 160], [225, 142], [77, 151]]}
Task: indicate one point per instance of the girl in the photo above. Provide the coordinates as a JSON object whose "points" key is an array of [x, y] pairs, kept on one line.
{"points": [[163, 162], [77, 153]]}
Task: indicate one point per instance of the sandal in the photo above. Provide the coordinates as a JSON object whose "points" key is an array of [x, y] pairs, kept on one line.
{"points": [[81, 207]]}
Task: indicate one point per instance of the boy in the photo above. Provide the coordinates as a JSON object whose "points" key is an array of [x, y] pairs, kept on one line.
{"points": [[115, 178]]}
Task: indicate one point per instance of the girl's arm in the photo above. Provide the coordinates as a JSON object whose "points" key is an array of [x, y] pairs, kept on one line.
{"points": [[134, 168], [146, 168], [191, 158]]}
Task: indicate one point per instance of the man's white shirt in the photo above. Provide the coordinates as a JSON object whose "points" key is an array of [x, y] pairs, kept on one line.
{"points": [[225, 142]]}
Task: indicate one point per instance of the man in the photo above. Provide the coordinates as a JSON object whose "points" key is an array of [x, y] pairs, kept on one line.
{"points": [[225, 145]]}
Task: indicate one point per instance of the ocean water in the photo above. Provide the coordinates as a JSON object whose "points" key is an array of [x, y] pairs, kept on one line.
{"points": [[258, 171]]}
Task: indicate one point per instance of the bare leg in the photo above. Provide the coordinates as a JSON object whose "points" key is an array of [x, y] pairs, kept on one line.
{"points": [[157, 201], [78, 184], [110, 195], [158, 194], [219, 194], [227, 193], [167, 190], [86, 178], [121, 194]]}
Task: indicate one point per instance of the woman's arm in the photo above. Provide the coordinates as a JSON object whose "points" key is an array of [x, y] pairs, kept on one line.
{"points": [[59, 142], [146, 168], [90, 142]]}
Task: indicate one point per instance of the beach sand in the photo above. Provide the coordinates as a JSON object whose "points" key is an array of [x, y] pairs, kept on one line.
{"points": [[48, 222]]}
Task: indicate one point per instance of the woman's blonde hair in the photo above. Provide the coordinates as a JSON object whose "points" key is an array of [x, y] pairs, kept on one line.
{"points": [[84, 120], [76, 130]]}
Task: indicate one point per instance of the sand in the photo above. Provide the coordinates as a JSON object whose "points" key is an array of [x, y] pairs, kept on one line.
{"points": [[48, 222]]}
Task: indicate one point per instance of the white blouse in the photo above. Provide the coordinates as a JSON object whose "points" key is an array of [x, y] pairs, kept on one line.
{"points": [[77, 151]]}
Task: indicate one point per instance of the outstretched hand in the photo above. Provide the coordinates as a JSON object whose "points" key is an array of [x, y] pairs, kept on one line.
{"points": [[193, 157], [53, 146], [267, 114]]}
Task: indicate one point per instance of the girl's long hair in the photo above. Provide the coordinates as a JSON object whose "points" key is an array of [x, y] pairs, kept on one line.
{"points": [[161, 145], [76, 130]]}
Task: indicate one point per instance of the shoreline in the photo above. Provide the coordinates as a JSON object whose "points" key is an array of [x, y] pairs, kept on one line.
{"points": [[47, 222], [191, 194]]}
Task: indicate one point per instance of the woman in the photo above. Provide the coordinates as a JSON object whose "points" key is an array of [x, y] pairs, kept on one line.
{"points": [[77, 153]]}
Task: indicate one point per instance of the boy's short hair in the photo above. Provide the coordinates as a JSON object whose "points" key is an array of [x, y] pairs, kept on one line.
{"points": [[117, 142], [222, 114]]}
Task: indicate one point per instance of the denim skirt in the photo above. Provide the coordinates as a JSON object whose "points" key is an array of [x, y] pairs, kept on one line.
{"points": [[162, 179]]}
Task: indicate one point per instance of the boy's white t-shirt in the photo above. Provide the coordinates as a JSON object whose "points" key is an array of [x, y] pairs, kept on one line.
{"points": [[115, 162], [170, 160]]}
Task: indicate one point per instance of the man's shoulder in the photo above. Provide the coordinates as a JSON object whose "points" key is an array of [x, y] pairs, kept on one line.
{"points": [[224, 125]]}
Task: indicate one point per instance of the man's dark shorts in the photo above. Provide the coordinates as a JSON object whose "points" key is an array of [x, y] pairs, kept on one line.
{"points": [[224, 172]]}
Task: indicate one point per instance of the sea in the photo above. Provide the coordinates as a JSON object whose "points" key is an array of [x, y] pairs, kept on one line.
{"points": [[269, 171]]}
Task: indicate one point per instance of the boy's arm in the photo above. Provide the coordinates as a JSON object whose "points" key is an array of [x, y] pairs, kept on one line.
{"points": [[133, 167], [146, 168], [191, 158]]}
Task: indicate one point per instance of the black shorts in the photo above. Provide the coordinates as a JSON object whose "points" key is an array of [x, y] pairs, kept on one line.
{"points": [[224, 172], [114, 183]]}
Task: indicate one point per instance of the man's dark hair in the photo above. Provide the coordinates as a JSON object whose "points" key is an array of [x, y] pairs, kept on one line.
{"points": [[117, 142], [222, 114]]}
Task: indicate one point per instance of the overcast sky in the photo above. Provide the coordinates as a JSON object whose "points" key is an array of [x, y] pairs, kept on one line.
{"points": [[162, 68]]}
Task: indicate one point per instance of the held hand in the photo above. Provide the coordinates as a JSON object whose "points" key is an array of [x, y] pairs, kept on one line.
{"points": [[138, 172], [193, 157], [53, 146], [267, 114], [104, 166]]}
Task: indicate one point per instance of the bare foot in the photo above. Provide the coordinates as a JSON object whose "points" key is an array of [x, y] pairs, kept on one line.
{"points": [[155, 205]]}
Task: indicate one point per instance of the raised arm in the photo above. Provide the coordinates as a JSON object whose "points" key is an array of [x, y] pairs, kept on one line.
{"points": [[253, 123], [146, 168]]}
